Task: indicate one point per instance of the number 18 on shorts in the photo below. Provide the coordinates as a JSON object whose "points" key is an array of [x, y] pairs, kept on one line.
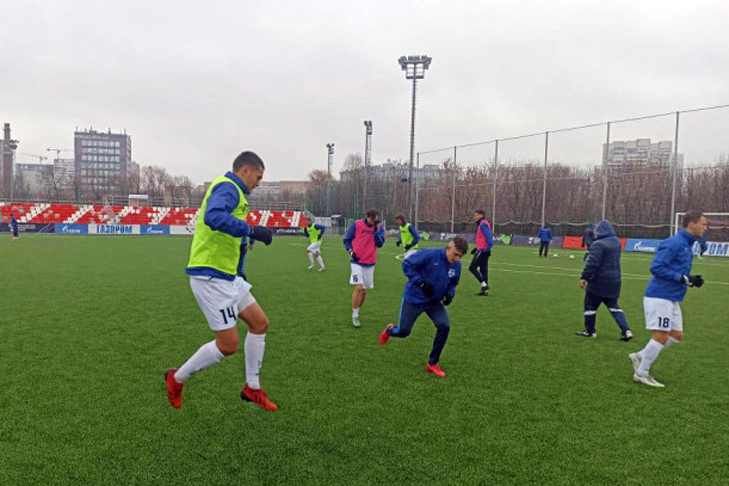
{"points": [[662, 315]]}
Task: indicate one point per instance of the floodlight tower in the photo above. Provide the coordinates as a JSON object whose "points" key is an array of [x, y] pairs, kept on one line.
{"points": [[367, 161], [330, 166], [414, 67]]}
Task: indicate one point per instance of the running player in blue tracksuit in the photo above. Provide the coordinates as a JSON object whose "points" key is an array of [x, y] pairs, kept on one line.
{"points": [[433, 275], [671, 269]]}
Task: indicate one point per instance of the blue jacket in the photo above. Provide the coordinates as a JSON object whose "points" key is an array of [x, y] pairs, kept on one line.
{"points": [[430, 266], [602, 267], [672, 261], [221, 203], [545, 234], [14, 224]]}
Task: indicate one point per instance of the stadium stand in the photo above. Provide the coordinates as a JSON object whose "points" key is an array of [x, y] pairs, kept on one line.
{"points": [[67, 213]]}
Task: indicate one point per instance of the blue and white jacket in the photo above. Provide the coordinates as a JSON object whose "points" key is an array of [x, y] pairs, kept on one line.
{"points": [[545, 234], [430, 266], [672, 262], [218, 216]]}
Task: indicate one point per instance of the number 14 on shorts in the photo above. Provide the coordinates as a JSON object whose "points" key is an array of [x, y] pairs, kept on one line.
{"points": [[228, 313]]}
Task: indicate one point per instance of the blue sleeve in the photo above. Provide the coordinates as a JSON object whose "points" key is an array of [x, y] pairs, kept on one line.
{"points": [[222, 202], [321, 229], [488, 234], [454, 282], [348, 237], [415, 234], [661, 265], [412, 264], [379, 238]]}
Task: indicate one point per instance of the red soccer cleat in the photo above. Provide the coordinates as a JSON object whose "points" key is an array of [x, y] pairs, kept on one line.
{"points": [[385, 335], [435, 369], [258, 397], [174, 389]]}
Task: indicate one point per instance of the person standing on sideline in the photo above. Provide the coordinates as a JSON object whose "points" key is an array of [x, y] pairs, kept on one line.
{"points": [[545, 238], [361, 241], [601, 279], [314, 232], [484, 241], [14, 226], [409, 236], [433, 275], [215, 268], [588, 236], [671, 277]]}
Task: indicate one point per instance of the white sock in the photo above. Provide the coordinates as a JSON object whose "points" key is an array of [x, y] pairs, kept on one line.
{"points": [[671, 341], [484, 285], [311, 259], [255, 345], [648, 355], [205, 357], [320, 261], [355, 312]]}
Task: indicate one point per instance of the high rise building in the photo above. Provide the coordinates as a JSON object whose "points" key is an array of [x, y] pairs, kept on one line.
{"points": [[639, 152], [102, 160], [7, 160]]}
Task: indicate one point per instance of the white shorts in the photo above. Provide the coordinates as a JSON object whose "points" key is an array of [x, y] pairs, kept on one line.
{"points": [[221, 300], [662, 315], [314, 247], [364, 276]]}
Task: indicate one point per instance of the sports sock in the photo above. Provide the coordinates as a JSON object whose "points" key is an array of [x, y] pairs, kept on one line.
{"points": [[355, 312], [671, 341], [484, 284], [590, 318], [320, 261], [205, 357], [255, 345], [311, 259], [648, 355]]}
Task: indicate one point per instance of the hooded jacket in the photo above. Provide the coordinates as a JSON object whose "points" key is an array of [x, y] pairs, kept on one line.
{"points": [[602, 267]]}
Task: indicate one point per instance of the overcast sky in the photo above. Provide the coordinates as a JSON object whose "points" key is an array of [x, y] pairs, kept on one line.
{"points": [[194, 83]]}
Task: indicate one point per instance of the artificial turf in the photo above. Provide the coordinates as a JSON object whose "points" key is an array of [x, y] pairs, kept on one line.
{"points": [[89, 324]]}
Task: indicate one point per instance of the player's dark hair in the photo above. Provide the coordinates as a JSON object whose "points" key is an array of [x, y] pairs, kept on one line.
{"points": [[691, 217], [248, 158], [460, 244], [481, 212], [400, 217], [371, 213]]}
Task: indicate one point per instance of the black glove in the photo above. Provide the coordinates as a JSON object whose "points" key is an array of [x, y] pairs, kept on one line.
{"points": [[408, 247], [353, 255], [426, 288], [696, 281], [473, 252], [262, 234], [398, 243], [447, 299]]}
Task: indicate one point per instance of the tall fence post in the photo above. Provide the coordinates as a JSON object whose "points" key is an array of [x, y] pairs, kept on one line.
{"points": [[674, 170], [544, 182], [453, 189], [605, 172], [493, 194]]}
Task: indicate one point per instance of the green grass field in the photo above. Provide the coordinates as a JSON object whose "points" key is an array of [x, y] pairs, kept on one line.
{"points": [[89, 324]]}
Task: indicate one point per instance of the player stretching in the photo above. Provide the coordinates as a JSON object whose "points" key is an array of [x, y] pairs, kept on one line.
{"points": [[602, 279], [484, 241], [671, 269], [433, 275], [361, 241], [215, 269], [313, 251], [409, 236]]}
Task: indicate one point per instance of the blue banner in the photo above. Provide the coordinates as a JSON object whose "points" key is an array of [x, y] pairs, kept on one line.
{"points": [[715, 248], [154, 229], [71, 229], [644, 246]]}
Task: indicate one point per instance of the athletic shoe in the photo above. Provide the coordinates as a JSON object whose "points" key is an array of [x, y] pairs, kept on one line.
{"points": [[310, 267], [385, 335], [355, 322], [627, 336], [647, 380], [435, 369], [321, 269], [174, 389], [635, 359], [586, 334], [484, 292], [258, 397]]}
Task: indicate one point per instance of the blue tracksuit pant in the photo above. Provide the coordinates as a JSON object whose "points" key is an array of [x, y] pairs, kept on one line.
{"points": [[409, 313], [593, 301]]}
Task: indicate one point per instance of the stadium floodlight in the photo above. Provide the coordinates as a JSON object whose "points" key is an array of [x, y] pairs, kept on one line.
{"points": [[367, 156], [330, 164], [414, 67]]}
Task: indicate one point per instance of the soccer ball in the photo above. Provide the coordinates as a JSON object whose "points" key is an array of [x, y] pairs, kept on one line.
{"points": [[572, 257], [556, 255]]}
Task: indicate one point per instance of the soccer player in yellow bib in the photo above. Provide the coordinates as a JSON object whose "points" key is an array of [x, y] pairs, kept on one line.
{"points": [[217, 281], [409, 237], [314, 232]]}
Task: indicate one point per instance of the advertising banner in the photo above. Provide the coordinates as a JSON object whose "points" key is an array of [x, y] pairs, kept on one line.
{"points": [[114, 229], [28, 228], [644, 246], [714, 248], [154, 229], [182, 230], [71, 229]]}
